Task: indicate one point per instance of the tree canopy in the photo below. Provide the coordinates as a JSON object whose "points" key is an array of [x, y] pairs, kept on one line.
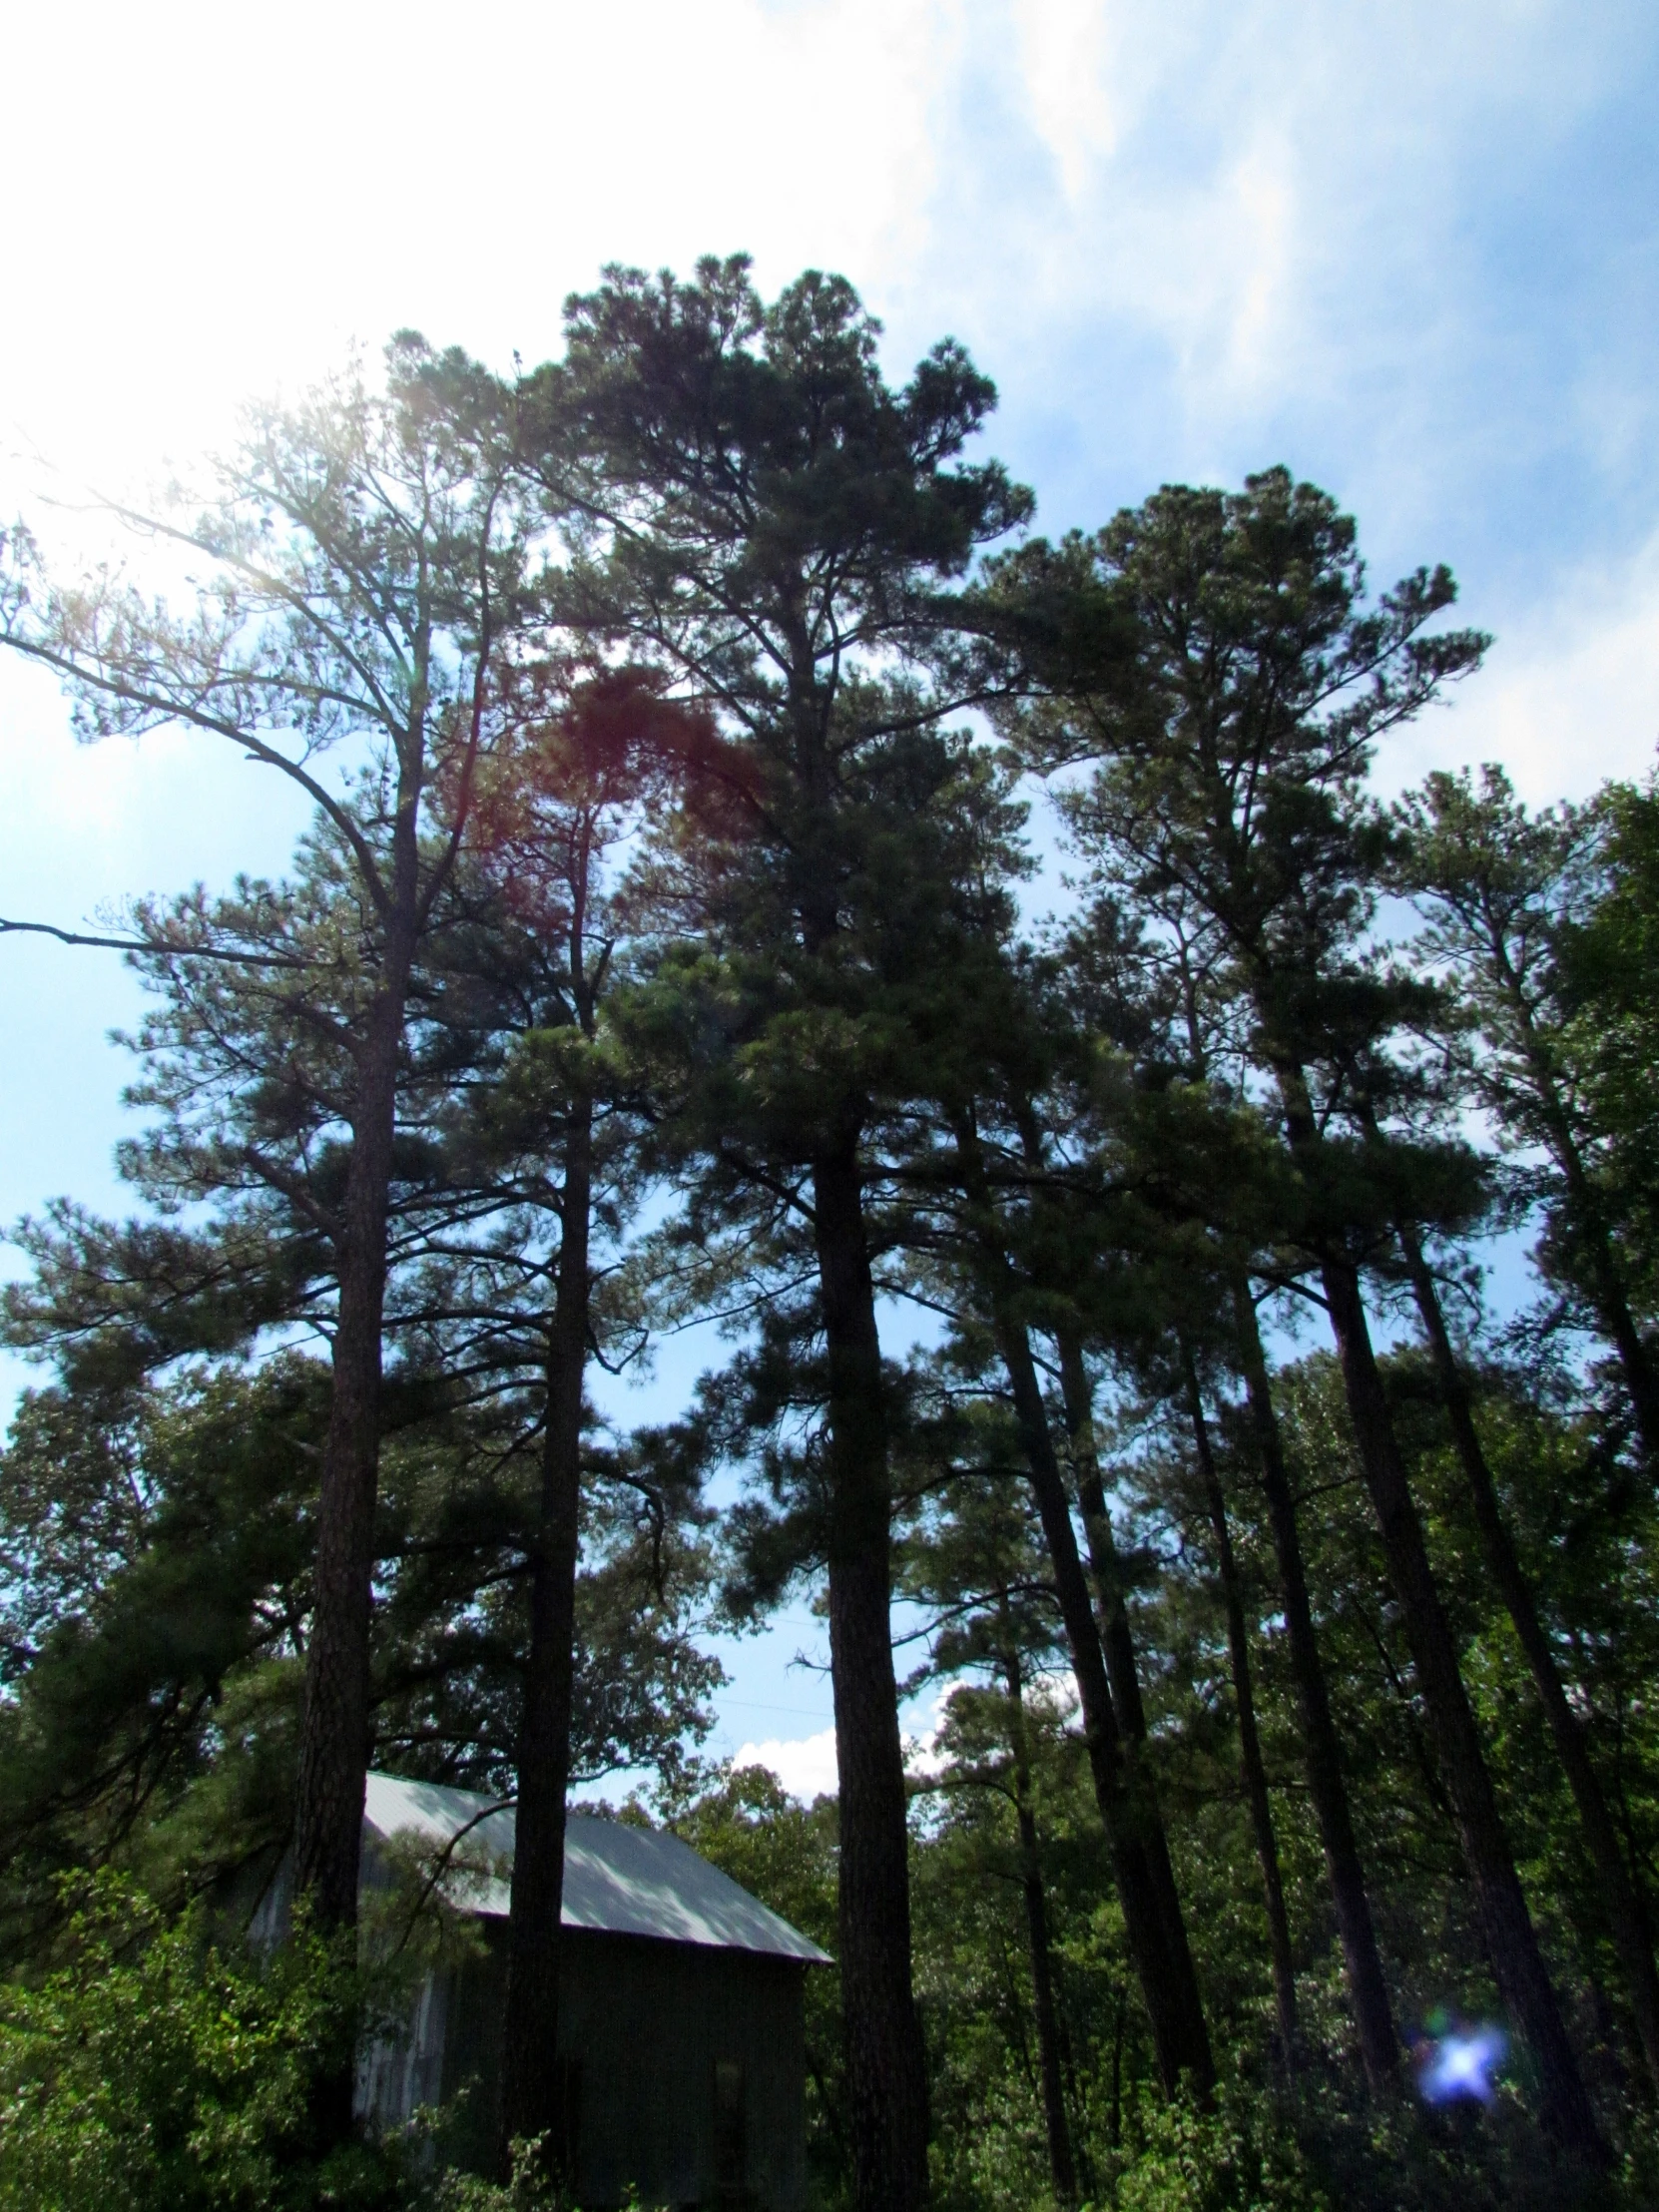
{"points": [[1112, 1349]]}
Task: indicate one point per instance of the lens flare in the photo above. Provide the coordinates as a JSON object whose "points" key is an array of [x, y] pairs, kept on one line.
{"points": [[1459, 2064]]}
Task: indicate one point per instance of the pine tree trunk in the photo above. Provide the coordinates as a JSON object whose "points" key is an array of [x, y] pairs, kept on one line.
{"points": [[1244, 1701], [532, 2103], [1163, 1966], [885, 2065], [1511, 1940], [1632, 1937], [335, 1726], [1061, 2166], [1118, 1641], [1116, 1636], [1608, 1296], [1366, 1987]]}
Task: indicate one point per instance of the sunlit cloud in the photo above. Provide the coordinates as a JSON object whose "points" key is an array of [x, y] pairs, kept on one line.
{"points": [[1569, 696], [805, 1766], [1070, 54], [224, 201]]}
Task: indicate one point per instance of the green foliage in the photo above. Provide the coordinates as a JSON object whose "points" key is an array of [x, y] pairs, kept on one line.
{"points": [[156, 1560], [155, 1565], [531, 2187], [153, 2071], [1241, 2157], [1608, 961], [737, 910]]}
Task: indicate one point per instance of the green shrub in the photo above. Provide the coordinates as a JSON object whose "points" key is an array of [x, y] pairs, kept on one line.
{"points": [[153, 2071], [1238, 2158]]}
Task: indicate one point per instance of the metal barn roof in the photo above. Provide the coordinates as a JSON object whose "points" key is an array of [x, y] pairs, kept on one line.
{"points": [[621, 1879]]}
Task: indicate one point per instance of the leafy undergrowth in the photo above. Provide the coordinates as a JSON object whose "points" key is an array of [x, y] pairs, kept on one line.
{"points": [[151, 2071]]}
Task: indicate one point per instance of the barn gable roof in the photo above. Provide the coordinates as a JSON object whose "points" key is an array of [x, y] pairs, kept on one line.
{"points": [[619, 1879]]}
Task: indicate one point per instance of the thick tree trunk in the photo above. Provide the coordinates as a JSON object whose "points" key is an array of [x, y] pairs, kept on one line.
{"points": [[1627, 1919], [1244, 1701], [885, 2065], [1163, 1965], [335, 1728], [1512, 1942], [1368, 1990], [334, 1725], [1116, 1636], [532, 2102], [1118, 1641], [1061, 2166]]}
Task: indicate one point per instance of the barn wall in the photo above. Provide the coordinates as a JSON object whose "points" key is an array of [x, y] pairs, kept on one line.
{"points": [[690, 2068], [650, 2024]]}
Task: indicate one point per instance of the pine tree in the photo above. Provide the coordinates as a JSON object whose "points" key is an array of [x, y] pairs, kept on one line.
{"points": [[1502, 890], [764, 520], [368, 563], [1229, 757]]}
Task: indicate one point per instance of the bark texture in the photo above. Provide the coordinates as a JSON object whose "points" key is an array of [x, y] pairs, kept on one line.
{"points": [[1512, 1942], [1607, 1286], [1251, 1762], [1366, 1987], [1118, 1643], [1609, 1296], [1062, 2167], [531, 2102], [1163, 1965], [886, 2066], [335, 1725]]}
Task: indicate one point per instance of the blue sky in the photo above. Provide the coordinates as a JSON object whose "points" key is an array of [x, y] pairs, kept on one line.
{"points": [[1413, 253]]}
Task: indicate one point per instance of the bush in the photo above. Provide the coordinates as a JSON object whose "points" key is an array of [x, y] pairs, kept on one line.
{"points": [[153, 2071], [1237, 2158]]}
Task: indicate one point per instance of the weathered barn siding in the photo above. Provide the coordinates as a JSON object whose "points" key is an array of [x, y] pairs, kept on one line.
{"points": [[680, 2011], [402, 2074], [687, 2066]]}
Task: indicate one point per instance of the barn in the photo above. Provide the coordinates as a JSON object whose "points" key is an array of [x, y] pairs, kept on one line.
{"points": [[680, 2006]]}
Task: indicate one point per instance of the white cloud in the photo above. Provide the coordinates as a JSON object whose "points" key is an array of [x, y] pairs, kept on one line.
{"points": [[805, 1767], [1566, 700], [923, 1760], [1214, 266], [1064, 50], [219, 200], [1052, 1695], [1259, 209], [1056, 1693]]}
